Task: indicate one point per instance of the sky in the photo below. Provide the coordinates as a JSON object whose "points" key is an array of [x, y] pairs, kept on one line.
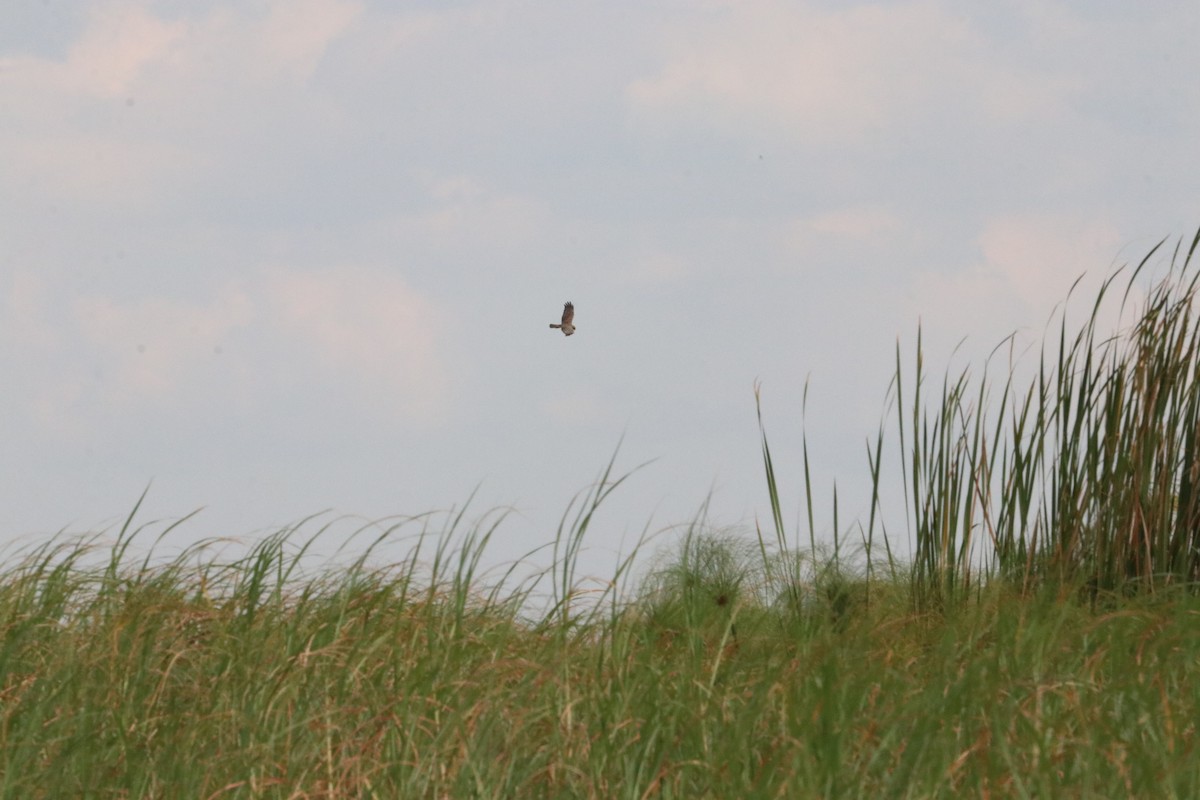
{"points": [[278, 257]]}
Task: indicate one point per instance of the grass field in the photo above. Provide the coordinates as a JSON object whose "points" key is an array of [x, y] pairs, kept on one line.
{"points": [[1041, 641]]}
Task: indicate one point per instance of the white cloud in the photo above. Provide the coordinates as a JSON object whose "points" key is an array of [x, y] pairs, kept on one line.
{"points": [[362, 334], [857, 223], [1027, 264], [461, 209], [368, 328], [829, 76], [153, 345], [125, 46], [69, 141], [76, 359], [102, 168], [143, 105], [296, 33], [1039, 256], [121, 43]]}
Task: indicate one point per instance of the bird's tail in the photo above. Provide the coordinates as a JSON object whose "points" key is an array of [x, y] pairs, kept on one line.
{"points": [[555, 325]]}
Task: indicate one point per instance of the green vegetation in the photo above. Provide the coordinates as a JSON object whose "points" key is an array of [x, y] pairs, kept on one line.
{"points": [[1041, 642], [1090, 474]]}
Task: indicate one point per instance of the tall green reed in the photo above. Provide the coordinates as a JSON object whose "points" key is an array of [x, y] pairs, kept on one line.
{"points": [[1086, 474]]}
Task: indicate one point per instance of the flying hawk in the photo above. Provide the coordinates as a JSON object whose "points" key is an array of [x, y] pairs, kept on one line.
{"points": [[567, 320]]}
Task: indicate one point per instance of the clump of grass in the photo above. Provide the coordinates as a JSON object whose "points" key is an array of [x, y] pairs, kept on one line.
{"points": [[695, 598], [1085, 477]]}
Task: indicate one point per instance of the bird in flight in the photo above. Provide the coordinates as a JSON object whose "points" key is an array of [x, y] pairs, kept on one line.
{"points": [[568, 318]]}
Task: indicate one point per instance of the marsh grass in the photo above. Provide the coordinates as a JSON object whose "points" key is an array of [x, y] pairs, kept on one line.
{"points": [[1086, 475], [1059, 660], [250, 678]]}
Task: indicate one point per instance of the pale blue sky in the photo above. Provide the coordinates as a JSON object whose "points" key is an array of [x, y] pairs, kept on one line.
{"points": [[285, 256]]}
